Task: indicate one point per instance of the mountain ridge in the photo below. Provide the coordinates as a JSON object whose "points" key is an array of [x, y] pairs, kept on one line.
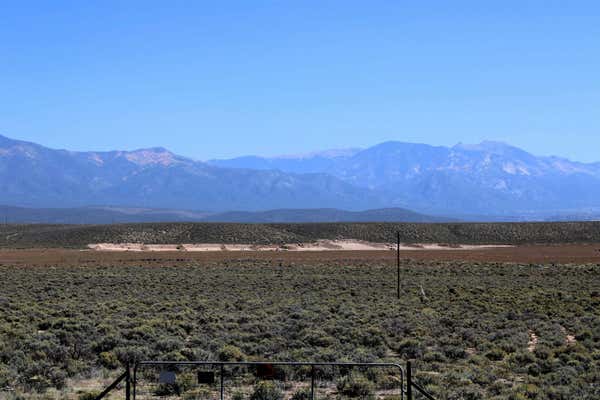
{"points": [[490, 178], [111, 214], [157, 178]]}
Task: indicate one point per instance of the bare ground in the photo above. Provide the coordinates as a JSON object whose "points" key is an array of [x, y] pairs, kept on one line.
{"points": [[319, 245]]}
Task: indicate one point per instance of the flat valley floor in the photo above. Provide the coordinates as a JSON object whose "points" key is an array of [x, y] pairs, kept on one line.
{"points": [[547, 254]]}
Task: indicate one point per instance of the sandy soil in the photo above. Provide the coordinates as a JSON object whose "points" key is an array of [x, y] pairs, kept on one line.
{"points": [[569, 339], [321, 245]]}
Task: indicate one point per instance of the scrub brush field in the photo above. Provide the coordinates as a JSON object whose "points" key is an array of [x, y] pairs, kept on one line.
{"points": [[475, 329]]}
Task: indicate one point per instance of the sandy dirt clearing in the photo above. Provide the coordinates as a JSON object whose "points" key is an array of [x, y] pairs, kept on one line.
{"points": [[533, 341], [321, 245]]}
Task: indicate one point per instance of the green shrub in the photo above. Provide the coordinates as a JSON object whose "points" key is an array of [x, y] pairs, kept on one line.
{"points": [[522, 358], [197, 394], [266, 391], [584, 335], [231, 353], [302, 394], [165, 389], [88, 395], [109, 360], [237, 395], [434, 356], [183, 383], [388, 382], [410, 348], [6, 377], [355, 385], [470, 392], [542, 353], [527, 391], [454, 352], [495, 354]]}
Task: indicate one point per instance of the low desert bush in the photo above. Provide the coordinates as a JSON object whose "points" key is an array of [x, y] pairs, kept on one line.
{"points": [[355, 385], [266, 391]]}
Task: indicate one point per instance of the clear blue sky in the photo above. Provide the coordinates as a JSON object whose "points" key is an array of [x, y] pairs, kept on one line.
{"points": [[220, 79]]}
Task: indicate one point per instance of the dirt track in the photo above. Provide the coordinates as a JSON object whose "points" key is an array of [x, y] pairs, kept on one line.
{"points": [[558, 254]]}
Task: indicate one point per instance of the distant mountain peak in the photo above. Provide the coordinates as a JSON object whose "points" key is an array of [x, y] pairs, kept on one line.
{"points": [[399, 143], [329, 153], [152, 156], [142, 157], [488, 146], [6, 141]]}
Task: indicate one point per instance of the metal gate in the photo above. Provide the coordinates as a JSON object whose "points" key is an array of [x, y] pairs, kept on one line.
{"points": [[165, 374], [297, 380]]}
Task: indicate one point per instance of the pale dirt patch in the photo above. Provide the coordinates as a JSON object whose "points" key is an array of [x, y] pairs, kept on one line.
{"points": [[533, 341], [97, 384], [320, 245], [569, 339]]}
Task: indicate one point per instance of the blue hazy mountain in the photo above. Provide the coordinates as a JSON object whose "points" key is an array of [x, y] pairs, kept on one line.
{"points": [[35, 176], [324, 215], [300, 164], [490, 178]]}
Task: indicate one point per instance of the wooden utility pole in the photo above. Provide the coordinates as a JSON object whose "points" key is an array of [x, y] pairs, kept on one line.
{"points": [[398, 262]]}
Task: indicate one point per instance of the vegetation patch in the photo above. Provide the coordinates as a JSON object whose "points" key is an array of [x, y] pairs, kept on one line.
{"points": [[451, 234]]}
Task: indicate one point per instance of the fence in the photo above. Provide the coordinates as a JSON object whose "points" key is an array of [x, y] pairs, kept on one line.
{"points": [[155, 379]]}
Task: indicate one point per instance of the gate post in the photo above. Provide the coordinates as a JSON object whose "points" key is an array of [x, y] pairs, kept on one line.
{"points": [[222, 377], [409, 395], [398, 264], [312, 382], [135, 366], [128, 383]]}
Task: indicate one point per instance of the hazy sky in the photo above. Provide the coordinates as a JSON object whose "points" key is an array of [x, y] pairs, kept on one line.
{"points": [[220, 79]]}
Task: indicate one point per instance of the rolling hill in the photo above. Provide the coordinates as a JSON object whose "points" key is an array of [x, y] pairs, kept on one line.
{"points": [[109, 215]]}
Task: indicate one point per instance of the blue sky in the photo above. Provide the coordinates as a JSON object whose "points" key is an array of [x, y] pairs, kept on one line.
{"points": [[220, 79]]}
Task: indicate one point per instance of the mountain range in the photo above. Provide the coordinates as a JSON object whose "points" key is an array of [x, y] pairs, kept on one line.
{"points": [[35, 176], [489, 179]]}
